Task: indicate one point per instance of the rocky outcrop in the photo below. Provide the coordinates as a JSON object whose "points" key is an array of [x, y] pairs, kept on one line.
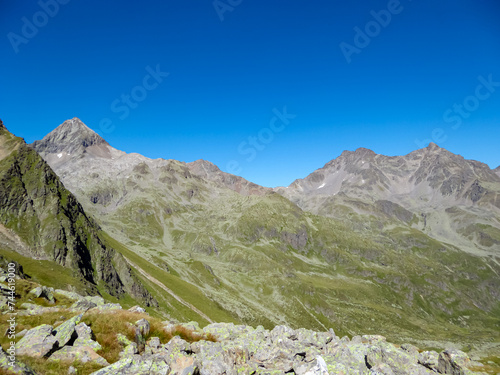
{"points": [[247, 350]]}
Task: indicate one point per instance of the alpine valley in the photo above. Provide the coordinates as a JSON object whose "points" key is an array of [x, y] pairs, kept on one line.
{"points": [[404, 246]]}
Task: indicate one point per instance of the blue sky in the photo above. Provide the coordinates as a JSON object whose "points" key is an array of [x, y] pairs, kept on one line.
{"points": [[269, 90]]}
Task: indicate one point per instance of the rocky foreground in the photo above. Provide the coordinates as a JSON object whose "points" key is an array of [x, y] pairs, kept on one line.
{"points": [[234, 349]]}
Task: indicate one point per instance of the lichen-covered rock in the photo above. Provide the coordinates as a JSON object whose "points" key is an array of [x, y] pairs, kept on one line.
{"points": [[33, 309], [14, 367], [411, 351], [82, 354], [372, 339], [182, 364], [71, 295], [38, 342], [85, 337], [177, 345], [137, 309], [66, 331], [192, 326], [144, 327], [453, 362], [137, 365], [347, 358], [36, 292], [122, 339], [83, 305], [429, 359], [106, 307], [399, 361], [129, 350], [43, 292], [316, 367]]}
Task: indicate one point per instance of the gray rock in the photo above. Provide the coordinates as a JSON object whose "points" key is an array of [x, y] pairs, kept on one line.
{"points": [[71, 295], [106, 307], [144, 327], [177, 345], [71, 370], [21, 334], [137, 309], [385, 353], [192, 326], [429, 359], [137, 365], [66, 331], [154, 343], [38, 342], [316, 367], [411, 351], [82, 354], [372, 339], [453, 362], [129, 350], [85, 337], [83, 305], [36, 292], [14, 367]]}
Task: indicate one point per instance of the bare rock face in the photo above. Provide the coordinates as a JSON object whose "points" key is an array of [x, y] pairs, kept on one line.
{"points": [[211, 172], [71, 137]]}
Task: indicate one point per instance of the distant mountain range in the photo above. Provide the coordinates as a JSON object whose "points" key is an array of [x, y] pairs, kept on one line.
{"points": [[405, 246]]}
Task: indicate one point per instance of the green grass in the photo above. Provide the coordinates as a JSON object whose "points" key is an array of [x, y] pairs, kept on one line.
{"points": [[46, 272], [188, 292]]}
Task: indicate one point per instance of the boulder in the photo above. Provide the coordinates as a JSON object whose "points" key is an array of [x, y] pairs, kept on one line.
{"points": [[36, 292], [316, 367], [130, 350], [38, 342], [453, 362], [85, 337], [66, 331], [144, 327], [43, 292], [384, 353], [137, 309], [71, 295], [82, 354], [14, 367], [122, 339], [106, 307], [429, 359], [137, 365], [83, 305]]}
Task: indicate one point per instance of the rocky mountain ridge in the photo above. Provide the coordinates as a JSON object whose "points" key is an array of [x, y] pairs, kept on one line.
{"points": [[441, 193], [255, 257], [40, 219]]}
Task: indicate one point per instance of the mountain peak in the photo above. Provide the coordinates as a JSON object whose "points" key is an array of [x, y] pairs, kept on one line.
{"points": [[71, 137], [433, 147], [2, 126]]}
